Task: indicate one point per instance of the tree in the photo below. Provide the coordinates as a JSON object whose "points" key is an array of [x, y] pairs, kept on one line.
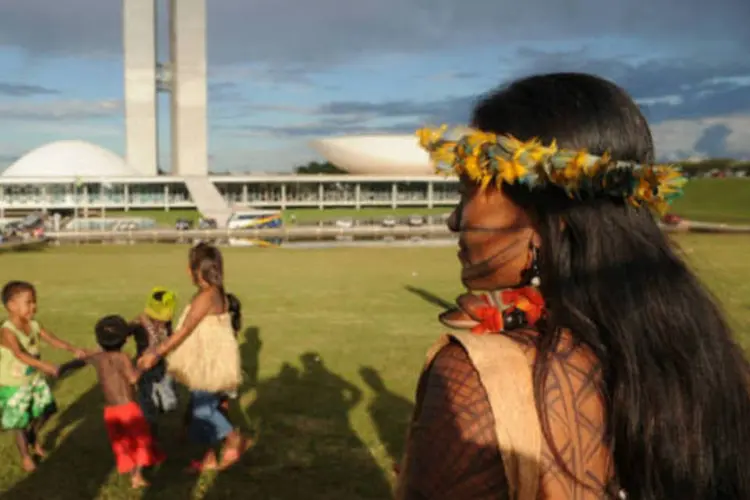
{"points": [[315, 167]]}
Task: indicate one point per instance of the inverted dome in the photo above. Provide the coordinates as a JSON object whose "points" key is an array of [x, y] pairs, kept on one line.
{"points": [[70, 159], [376, 154]]}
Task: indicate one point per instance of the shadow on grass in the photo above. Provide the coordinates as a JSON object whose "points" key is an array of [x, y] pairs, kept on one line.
{"points": [[305, 443], [171, 480], [390, 414], [69, 473], [430, 297], [306, 447]]}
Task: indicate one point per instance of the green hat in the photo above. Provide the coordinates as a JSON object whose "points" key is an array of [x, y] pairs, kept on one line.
{"points": [[161, 304]]}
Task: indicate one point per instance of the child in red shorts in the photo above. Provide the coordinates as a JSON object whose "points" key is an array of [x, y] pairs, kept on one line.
{"points": [[129, 431]]}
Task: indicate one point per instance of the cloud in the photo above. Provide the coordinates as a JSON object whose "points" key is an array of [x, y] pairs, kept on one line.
{"points": [[223, 91], [283, 32], [713, 140], [693, 110], [453, 76], [676, 89], [724, 136], [60, 110], [666, 88], [24, 90], [450, 109]]}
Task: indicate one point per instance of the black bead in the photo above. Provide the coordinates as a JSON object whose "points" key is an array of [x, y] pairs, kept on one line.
{"points": [[514, 319]]}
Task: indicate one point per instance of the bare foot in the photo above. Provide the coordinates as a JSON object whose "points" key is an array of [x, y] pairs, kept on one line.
{"points": [[234, 453], [137, 481], [208, 463], [39, 451], [28, 464]]}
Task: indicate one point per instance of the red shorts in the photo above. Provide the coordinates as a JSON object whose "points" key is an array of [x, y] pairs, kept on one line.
{"points": [[130, 436]]}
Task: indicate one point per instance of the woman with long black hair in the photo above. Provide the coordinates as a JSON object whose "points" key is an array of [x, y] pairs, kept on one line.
{"points": [[597, 365]]}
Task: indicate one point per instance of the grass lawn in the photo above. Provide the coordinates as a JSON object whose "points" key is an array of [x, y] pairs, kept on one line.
{"points": [[299, 214], [716, 200], [317, 321], [705, 200]]}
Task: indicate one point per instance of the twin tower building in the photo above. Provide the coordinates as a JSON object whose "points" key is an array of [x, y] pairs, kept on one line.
{"points": [[183, 76]]}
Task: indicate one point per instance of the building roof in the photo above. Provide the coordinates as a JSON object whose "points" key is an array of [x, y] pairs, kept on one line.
{"points": [[70, 159], [376, 154]]}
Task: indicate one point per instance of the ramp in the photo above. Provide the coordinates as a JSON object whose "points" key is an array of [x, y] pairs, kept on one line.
{"points": [[208, 199]]}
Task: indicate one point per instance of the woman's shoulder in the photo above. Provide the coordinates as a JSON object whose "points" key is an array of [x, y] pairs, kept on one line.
{"points": [[452, 383], [570, 392]]}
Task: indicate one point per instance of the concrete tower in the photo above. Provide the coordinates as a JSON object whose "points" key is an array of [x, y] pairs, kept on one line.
{"points": [[139, 37], [183, 76], [187, 21]]}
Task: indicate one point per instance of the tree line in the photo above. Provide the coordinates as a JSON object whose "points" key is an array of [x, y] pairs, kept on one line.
{"points": [[690, 167]]}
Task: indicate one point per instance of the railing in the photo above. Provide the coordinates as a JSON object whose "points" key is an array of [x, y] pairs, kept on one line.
{"points": [[311, 233], [291, 233]]}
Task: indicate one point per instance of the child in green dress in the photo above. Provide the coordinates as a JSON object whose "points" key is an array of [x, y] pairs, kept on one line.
{"points": [[26, 401]]}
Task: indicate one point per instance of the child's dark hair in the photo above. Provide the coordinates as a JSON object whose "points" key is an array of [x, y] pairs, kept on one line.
{"points": [[234, 306], [207, 264], [13, 288], [112, 332]]}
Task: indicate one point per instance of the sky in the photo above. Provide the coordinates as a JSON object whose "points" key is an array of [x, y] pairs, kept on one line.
{"points": [[285, 72]]}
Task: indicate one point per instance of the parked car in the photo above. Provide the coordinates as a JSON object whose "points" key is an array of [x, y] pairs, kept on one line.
{"points": [[345, 223], [207, 224], [416, 220], [389, 221], [30, 227], [183, 224]]}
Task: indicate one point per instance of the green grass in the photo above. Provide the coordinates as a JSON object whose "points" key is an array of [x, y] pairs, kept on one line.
{"points": [[705, 200], [716, 200], [163, 218], [316, 440]]}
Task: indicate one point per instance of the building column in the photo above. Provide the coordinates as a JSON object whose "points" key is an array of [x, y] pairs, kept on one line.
{"points": [[139, 43], [189, 89]]}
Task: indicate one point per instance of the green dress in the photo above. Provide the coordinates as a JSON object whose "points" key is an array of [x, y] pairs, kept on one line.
{"points": [[25, 394]]}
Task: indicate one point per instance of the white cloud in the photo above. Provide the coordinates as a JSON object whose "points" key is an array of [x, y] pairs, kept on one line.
{"points": [[56, 110], [676, 139]]}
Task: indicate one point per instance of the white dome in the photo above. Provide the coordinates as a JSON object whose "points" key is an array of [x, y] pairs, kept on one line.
{"points": [[70, 159], [376, 154]]}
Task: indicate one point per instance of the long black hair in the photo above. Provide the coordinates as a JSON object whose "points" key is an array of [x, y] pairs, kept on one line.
{"points": [[674, 382], [206, 263]]}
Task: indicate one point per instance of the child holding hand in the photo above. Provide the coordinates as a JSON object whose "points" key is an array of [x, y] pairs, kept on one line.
{"points": [[26, 400], [128, 429]]}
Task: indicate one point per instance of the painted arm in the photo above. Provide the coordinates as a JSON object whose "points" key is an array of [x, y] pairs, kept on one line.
{"points": [[10, 342], [59, 343], [200, 306], [452, 450]]}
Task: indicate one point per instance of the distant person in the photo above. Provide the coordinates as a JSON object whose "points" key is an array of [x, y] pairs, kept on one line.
{"points": [[26, 400], [203, 354], [156, 389], [593, 363], [128, 429]]}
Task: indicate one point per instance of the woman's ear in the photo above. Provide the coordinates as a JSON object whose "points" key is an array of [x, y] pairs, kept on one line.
{"points": [[536, 239]]}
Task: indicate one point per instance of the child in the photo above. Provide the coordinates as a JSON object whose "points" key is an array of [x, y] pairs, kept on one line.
{"points": [[26, 399], [129, 431], [203, 355], [234, 307], [156, 391]]}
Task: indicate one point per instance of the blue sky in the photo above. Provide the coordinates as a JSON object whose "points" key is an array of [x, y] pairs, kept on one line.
{"points": [[284, 72]]}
